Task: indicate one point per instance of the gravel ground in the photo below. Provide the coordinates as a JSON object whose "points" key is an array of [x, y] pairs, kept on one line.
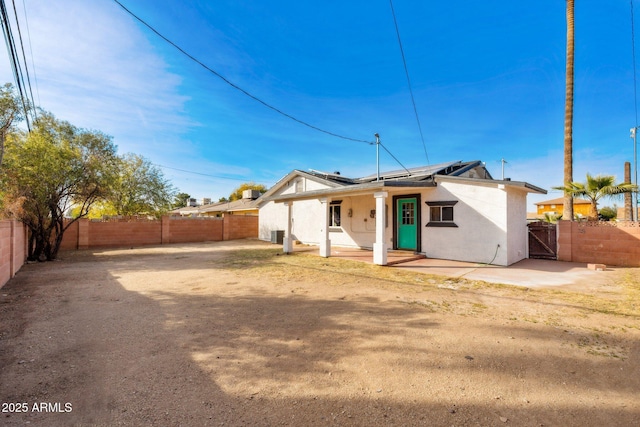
{"points": [[234, 334]]}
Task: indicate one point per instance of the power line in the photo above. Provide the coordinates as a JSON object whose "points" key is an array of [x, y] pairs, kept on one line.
{"points": [[33, 65], [406, 71], [24, 87], [13, 59], [235, 86], [245, 92], [24, 57], [394, 158], [202, 174]]}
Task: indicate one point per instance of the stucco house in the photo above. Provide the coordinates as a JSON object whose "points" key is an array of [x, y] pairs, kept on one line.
{"points": [[453, 210], [248, 205], [581, 207]]}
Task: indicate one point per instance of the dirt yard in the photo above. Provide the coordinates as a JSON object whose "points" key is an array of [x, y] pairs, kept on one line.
{"points": [[236, 334]]}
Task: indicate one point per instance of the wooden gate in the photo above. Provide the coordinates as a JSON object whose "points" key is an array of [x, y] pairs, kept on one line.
{"points": [[542, 240]]}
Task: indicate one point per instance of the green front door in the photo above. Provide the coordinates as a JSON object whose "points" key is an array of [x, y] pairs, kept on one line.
{"points": [[407, 226]]}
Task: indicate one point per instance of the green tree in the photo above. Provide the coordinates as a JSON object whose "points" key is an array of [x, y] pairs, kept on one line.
{"points": [[10, 114], [237, 193], [596, 188], [140, 188], [551, 218], [608, 213], [50, 170], [180, 200]]}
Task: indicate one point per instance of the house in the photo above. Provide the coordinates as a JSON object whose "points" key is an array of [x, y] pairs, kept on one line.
{"points": [[453, 210], [556, 207], [248, 205], [244, 206]]}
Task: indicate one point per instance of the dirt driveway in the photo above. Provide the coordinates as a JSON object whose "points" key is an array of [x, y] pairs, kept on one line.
{"points": [[235, 334]]}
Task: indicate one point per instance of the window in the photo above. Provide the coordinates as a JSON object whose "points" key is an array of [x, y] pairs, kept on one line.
{"points": [[334, 213], [408, 214], [441, 214]]}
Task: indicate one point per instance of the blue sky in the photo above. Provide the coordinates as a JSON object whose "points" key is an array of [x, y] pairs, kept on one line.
{"points": [[488, 79]]}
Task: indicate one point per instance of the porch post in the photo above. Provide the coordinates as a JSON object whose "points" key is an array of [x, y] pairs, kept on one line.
{"points": [[287, 242], [325, 243], [380, 246]]}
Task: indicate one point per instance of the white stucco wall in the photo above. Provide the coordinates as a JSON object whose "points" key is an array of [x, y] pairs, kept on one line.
{"points": [[359, 229], [518, 237], [305, 214], [481, 218], [486, 216]]}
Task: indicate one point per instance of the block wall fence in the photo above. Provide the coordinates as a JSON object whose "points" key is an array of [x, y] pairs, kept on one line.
{"points": [[13, 249], [609, 243], [87, 234]]}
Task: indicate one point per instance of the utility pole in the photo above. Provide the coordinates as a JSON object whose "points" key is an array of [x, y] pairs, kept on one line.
{"points": [[503, 162], [377, 156], [634, 199]]}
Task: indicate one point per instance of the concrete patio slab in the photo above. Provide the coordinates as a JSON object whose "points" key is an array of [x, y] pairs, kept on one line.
{"points": [[533, 273]]}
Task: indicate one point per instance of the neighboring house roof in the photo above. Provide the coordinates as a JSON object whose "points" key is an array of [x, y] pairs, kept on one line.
{"points": [[560, 200], [186, 210], [235, 206], [419, 177]]}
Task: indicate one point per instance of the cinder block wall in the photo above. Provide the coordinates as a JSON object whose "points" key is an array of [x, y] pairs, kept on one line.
{"points": [[193, 230], [110, 234], [609, 243], [70, 238], [240, 227], [84, 234], [13, 249]]}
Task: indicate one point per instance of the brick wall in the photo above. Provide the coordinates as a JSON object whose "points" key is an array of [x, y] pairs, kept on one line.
{"points": [[609, 243], [185, 230], [240, 227], [13, 249], [70, 239], [105, 234], [84, 234]]}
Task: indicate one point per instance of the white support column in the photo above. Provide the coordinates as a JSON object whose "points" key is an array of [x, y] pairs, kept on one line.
{"points": [[325, 243], [287, 242], [380, 246]]}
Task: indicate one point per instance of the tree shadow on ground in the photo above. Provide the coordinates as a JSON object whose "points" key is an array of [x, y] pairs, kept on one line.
{"points": [[236, 354]]}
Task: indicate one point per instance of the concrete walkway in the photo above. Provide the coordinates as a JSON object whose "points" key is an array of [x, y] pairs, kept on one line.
{"points": [[533, 273]]}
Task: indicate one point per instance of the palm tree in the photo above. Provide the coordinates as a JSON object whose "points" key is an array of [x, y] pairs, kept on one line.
{"points": [[568, 116], [595, 188]]}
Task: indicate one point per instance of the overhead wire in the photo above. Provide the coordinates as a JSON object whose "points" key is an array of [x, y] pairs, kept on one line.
{"points": [[247, 93], [24, 58], [33, 64], [201, 174], [235, 86], [13, 59], [394, 158], [406, 71]]}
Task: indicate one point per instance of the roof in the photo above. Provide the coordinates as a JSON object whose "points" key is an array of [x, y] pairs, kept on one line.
{"points": [[422, 173], [419, 177], [530, 188], [351, 190], [236, 205], [560, 201]]}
